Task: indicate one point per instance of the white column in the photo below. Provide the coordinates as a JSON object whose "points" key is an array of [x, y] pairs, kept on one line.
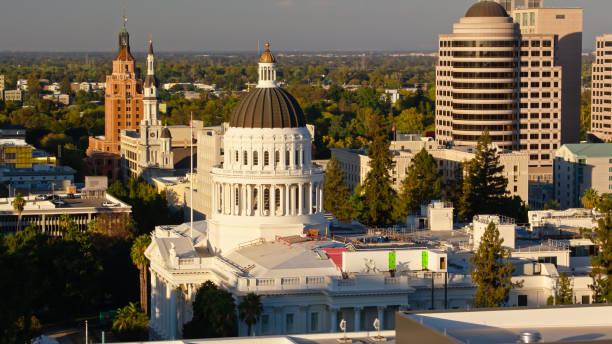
{"points": [[260, 202], [310, 203], [222, 192], [173, 317], [317, 200], [231, 198], [287, 200], [242, 200], [357, 311], [300, 199], [321, 197], [293, 199], [154, 292], [272, 200], [249, 200], [281, 190], [333, 315], [381, 316]]}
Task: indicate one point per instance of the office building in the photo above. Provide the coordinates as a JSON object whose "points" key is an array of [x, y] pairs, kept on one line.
{"points": [[579, 167], [520, 80], [123, 104], [355, 163], [601, 89]]}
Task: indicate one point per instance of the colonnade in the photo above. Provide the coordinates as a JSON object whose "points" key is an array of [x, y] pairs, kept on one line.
{"points": [[164, 317], [268, 199]]}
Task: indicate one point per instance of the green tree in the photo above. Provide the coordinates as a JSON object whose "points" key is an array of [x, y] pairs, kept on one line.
{"points": [[590, 198], [602, 262], [249, 310], [34, 88], [410, 120], [421, 185], [379, 196], [137, 253], [65, 85], [491, 271], [18, 205], [484, 186], [336, 192], [214, 314], [552, 205], [130, 324], [565, 294]]}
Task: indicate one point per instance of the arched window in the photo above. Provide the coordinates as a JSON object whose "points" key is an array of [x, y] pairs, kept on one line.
{"points": [[266, 158], [287, 158], [245, 158], [297, 157], [277, 196], [266, 199], [255, 158]]}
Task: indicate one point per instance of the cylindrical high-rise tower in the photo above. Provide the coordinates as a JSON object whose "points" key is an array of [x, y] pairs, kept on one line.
{"points": [[477, 79]]}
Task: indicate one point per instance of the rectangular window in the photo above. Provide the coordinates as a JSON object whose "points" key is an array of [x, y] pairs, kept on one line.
{"points": [[289, 322], [586, 299], [314, 322], [522, 300], [532, 22]]}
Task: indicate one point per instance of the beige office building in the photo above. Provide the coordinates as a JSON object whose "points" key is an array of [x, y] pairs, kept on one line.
{"points": [[517, 75], [511, 5], [355, 164], [579, 167], [601, 89]]}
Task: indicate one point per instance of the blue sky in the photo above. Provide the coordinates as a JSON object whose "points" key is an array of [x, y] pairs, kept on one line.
{"points": [[237, 25]]}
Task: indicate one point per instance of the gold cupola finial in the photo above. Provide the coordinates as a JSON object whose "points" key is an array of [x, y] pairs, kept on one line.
{"points": [[267, 56]]}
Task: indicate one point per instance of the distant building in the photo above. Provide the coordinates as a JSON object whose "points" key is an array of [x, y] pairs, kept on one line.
{"points": [[16, 153], [355, 163], [63, 99], [392, 95], [10, 131], [37, 177], [1, 86], [13, 96], [45, 214], [191, 95], [579, 167], [601, 94]]}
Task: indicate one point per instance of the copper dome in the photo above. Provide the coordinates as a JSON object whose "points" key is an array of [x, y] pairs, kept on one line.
{"points": [[268, 108]]}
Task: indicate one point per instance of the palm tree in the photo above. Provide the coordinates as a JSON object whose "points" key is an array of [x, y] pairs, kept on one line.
{"points": [[590, 198], [250, 309], [140, 260], [18, 205], [130, 324]]}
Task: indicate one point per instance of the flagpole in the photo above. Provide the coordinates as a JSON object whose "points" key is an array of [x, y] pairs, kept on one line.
{"points": [[191, 175]]}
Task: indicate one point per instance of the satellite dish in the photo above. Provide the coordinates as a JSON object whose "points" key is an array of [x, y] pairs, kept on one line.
{"points": [[343, 325], [376, 324]]}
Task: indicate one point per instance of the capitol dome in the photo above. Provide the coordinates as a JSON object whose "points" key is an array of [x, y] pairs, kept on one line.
{"points": [[268, 108], [486, 9]]}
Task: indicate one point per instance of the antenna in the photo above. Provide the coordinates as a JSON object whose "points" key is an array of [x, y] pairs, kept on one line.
{"points": [[123, 16]]}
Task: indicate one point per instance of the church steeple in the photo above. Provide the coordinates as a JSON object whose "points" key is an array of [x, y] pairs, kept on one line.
{"points": [[267, 69], [150, 116]]}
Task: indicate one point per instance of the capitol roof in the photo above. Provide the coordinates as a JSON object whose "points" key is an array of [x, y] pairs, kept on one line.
{"points": [[268, 108]]}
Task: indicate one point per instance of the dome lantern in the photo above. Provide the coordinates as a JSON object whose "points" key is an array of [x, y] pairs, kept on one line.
{"points": [[267, 69]]}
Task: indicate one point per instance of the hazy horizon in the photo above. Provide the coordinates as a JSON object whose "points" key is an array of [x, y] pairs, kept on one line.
{"points": [[235, 26]]}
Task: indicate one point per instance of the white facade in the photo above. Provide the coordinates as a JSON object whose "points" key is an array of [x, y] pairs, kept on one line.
{"points": [[505, 226]]}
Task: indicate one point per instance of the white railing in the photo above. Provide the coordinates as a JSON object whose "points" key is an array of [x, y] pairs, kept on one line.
{"points": [[279, 173]]}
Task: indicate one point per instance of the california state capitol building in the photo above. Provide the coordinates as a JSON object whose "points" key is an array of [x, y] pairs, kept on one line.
{"points": [[267, 234]]}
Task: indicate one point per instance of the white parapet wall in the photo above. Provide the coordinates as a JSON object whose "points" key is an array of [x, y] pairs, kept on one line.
{"points": [[372, 261]]}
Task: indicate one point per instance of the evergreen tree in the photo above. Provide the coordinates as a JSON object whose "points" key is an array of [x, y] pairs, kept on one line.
{"points": [[602, 262], [337, 195], [379, 196], [565, 293], [484, 186], [491, 271], [421, 185]]}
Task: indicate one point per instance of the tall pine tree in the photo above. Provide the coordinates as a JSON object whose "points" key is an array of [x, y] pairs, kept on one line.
{"points": [[602, 262], [491, 271], [484, 186], [421, 185], [378, 193], [337, 195]]}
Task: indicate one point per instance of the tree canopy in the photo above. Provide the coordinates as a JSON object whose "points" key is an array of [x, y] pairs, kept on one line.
{"points": [[421, 185], [337, 195], [214, 314]]}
